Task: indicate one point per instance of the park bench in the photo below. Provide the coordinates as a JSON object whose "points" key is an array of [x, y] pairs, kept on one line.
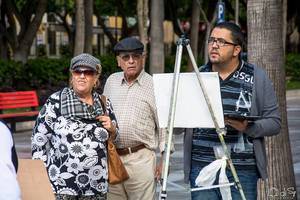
{"points": [[18, 107]]}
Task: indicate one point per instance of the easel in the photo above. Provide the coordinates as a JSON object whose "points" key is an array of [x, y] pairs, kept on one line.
{"points": [[221, 131]]}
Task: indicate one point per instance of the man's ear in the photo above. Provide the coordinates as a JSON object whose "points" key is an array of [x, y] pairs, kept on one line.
{"points": [[119, 61], [237, 50]]}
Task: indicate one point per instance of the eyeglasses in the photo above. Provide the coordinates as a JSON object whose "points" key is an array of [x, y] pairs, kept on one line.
{"points": [[87, 72], [134, 56], [219, 41]]}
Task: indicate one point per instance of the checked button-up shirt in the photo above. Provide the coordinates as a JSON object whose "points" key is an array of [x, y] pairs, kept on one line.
{"points": [[135, 109]]}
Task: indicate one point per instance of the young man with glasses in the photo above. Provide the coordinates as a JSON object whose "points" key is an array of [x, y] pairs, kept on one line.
{"points": [[245, 91], [132, 95]]}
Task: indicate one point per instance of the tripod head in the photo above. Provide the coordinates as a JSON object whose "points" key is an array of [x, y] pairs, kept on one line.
{"points": [[183, 40]]}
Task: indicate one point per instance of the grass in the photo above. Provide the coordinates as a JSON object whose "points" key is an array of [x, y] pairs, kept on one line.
{"points": [[292, 85]]}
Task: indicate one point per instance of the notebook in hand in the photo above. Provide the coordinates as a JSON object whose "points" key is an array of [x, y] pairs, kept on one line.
{"points": [[241, 117]]}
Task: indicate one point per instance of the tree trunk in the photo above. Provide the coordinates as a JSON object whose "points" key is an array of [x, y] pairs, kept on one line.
{"points": [[265, 48], [88, 13], [172, 9], [236, 12], [70, 31], [79, 31], [122, 13], [157, 56], [142, 11], [208, 30], [3, 40], [25, 42], [106, 31], [3, 48], [194, 32], [284, 26]]}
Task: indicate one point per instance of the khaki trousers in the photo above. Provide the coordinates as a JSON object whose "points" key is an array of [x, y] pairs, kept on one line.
{"points": [[141, 184]]}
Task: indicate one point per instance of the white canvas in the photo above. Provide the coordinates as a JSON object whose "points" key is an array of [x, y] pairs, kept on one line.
{"points": [[191, 107]]}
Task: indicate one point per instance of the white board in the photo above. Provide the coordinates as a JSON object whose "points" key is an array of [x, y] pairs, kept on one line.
{"points": [[191, 107]]}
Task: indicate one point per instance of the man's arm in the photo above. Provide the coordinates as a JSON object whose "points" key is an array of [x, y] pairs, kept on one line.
{"points": [[270, 122]]}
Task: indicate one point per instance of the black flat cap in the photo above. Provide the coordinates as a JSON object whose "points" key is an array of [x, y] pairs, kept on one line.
{"points": [[129, 44]]}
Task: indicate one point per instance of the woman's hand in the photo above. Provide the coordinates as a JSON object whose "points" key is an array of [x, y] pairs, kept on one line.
{"points": [[107, 124]]}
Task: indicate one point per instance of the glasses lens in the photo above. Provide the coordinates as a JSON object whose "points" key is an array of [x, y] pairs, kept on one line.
{"points": [[219, 41], [134, 56], [211, 40], [78, 72], [125, 57]]}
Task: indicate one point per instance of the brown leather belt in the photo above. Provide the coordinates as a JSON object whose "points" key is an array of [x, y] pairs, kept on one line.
{"points": [[129, 150]]}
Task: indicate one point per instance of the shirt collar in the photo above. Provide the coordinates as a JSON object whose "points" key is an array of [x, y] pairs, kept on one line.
{"points": [[208, 66], [138, 80]]}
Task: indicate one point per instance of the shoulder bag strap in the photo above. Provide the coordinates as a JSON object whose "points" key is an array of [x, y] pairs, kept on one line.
{"points": [[103, 103]]}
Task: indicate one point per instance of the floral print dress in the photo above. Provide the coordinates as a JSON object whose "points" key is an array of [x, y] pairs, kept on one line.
{"points": [[72, 147]]}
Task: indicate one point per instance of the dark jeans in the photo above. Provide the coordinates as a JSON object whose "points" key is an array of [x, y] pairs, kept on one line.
{"points": [[248, 179]]}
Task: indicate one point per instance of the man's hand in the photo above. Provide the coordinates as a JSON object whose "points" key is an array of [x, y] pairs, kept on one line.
{"points": [[158, 169], [239, 125]]}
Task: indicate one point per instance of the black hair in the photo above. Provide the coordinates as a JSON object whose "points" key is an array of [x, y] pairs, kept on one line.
{"points": [[236, 32]]}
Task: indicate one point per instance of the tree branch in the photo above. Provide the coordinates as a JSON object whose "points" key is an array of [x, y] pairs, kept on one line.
{"points": [[34, 25], [106, 31], [170, 5], [120, 8]]}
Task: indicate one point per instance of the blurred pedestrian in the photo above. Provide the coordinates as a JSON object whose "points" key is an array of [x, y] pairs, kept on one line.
{"points": [[9, 187]]}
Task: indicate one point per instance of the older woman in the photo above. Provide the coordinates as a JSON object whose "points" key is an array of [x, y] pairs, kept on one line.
{"points": [[71, 131]]}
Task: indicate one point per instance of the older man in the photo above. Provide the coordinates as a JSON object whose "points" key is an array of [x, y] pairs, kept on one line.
{"points": [[132, 96]]}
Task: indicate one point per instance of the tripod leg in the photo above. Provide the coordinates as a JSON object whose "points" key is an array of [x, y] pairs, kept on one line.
{"points": [[220, 131], [172, 109]]}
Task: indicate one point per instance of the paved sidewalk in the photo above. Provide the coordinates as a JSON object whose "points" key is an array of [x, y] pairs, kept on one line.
{"points": [[176, 188], [293, 109]]}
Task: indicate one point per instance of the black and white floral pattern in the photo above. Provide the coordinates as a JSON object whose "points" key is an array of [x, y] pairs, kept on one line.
{"points": [[74, 150]]}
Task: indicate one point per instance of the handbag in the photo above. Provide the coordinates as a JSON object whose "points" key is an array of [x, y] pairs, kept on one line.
{"points": [[116, 170]]}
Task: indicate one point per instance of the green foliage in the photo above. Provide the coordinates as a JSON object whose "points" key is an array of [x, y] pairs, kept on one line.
{"points": [[61, 6], [291, 85], [109, 65], [108, 8], [170, 63], [41, 50], [45, 75], [65, 50], [44, 72], [10, 74], [48, 75], [293, 67]]}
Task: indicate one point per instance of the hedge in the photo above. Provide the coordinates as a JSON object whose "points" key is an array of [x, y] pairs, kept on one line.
{"points": [[293, 67], [48, 75], [44, 74]]}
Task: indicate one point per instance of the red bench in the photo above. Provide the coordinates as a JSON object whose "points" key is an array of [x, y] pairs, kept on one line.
{"points": [[22, 106]]}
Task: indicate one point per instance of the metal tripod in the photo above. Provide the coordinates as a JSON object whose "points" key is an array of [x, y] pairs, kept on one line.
{"points": [[221, 131]]}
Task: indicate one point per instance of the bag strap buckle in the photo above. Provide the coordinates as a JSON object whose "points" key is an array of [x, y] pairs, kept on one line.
{"points": [[129, 149]]}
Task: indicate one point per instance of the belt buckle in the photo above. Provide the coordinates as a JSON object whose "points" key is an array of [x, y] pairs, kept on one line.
{"points": [[129, 149]]}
